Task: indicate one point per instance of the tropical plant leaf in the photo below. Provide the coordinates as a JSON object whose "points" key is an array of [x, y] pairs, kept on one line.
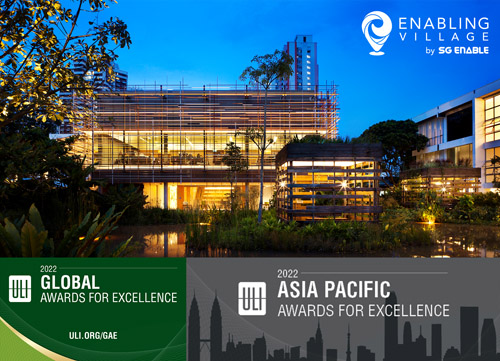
{"points": [[36, 219]]}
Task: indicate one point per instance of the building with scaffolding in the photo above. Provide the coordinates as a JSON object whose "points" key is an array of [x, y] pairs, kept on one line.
{"points": [[172, 141]]}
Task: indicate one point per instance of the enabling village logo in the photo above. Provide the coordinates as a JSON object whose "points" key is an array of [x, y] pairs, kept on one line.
{"points": [[19, 289], [441, 35], [377, 36]]}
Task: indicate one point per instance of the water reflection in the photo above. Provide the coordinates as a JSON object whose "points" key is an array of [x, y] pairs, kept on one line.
{"points": [[459, 240], [155, 241], [450, 240]]}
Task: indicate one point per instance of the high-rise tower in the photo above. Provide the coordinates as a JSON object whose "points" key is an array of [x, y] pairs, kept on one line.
{"points": [[194, 331], [216, 332], [305, 66]]}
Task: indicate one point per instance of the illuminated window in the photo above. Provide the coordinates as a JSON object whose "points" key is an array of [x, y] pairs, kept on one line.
{"points": [[492, 168], [492, 118]]}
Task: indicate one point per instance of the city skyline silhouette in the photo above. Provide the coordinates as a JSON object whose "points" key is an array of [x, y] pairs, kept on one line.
{"points": [[472, 345]]}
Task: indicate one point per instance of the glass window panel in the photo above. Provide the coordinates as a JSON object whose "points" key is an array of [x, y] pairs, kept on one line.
{"points": [[497, 100], [489, 103], [489, 114], [489, 137]]}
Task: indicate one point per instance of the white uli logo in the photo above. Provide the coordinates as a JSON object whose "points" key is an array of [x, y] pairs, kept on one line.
{"points": [[252, 298], [19, 288], [376, 36]]}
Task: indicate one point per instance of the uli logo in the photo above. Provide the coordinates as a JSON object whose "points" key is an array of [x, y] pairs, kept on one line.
{"points": [[252, 298], [19, 288], [377, 36]]}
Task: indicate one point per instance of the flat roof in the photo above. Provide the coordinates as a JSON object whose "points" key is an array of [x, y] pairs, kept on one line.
{"points": [[476, 93]]}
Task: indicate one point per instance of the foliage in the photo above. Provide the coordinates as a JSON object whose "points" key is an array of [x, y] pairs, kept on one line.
{"points": [[319, 139], [26, 237], [429, 207], [269, 68], [399, 139], [494, 162], [125, 197], [29, 238], [476, 208], [236, 163], [245, 233], [40, 39], [37, 169], [464, 207]]}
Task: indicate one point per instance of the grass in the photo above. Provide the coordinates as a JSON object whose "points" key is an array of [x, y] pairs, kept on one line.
{"points": [[246, 234]]}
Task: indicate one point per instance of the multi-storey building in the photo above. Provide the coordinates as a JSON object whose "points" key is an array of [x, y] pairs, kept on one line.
{"points": [[306, 72], [101, 81], [464, 133], [172, 141]]}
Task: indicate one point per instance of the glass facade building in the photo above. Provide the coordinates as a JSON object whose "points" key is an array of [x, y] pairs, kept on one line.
{"points": [[172, 141], [463, 133]]}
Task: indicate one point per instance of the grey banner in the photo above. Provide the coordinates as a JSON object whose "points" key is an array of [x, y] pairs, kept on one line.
{"points": [[342, 309]]}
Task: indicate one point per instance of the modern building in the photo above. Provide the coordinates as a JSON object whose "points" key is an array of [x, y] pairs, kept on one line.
{"points": [[305, 67], [464, 133], [320, 181], [100, 81], [103, 80], [172, 141]]}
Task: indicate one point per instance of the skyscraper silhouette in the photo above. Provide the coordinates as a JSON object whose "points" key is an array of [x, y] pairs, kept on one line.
{"points": [[469, 333], [259, 349], [216, 332], [488, 341], [365, 354], [194, 331], [407, 336], [391, 331], [452, 354], [331, 354], [348, 352], [420, 347], [315, 346], [437, 343], [295, 353]]}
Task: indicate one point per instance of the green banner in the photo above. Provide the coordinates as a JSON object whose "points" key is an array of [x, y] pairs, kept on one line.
{"points": [[93, 309]]}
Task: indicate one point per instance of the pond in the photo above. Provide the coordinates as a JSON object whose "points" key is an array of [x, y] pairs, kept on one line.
{"points": [[450, 240]]}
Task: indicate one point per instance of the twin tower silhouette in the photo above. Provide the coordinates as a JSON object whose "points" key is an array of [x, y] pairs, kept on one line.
{"points": [[408, 350]]}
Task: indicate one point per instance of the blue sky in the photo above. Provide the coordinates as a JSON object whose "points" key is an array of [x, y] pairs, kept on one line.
{"points": [[203, 42]]}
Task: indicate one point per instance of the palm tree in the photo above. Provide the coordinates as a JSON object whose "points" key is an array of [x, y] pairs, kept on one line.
{"points": [[268, 69]]}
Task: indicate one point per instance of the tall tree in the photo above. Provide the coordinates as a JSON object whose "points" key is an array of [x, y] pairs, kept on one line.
{"points": [[235, 163], [40, 41], [399, 139], [268, 68]]}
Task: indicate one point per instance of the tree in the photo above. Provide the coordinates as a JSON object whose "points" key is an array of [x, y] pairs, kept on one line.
{"points": [[494, 161], [399, 139], [269, 68], [236, 163], [37, 169], [40, 41]]}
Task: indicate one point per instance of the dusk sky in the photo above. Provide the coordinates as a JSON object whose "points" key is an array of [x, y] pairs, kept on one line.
{"points": [[202, 42]]}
